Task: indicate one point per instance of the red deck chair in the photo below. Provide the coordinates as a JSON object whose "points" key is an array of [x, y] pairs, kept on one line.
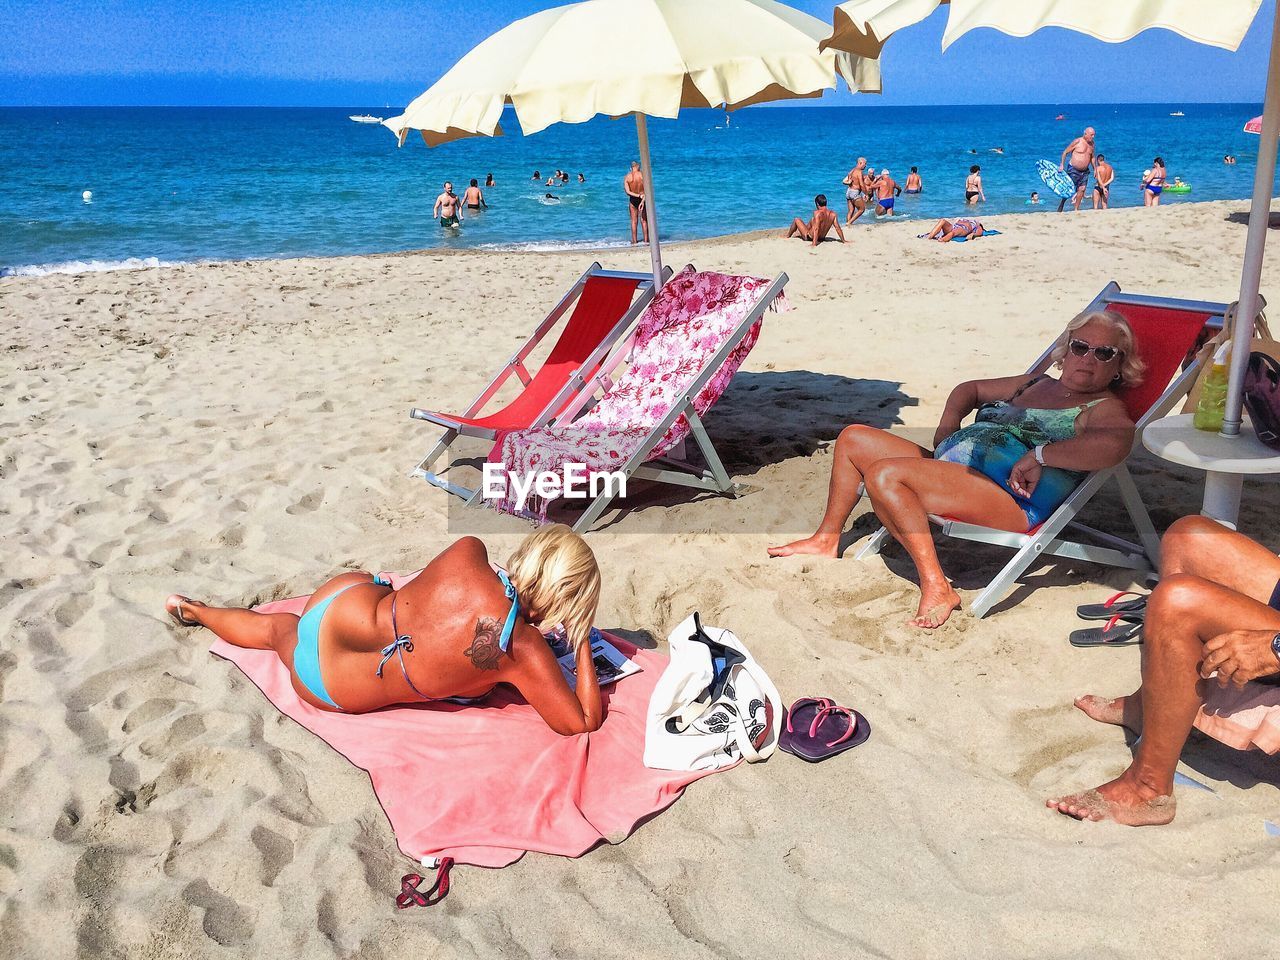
{"points": [[606, 304], [1166, 330]]}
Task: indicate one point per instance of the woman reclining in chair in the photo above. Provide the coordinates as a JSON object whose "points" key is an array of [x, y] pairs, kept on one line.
{"points": [[1033, 440], [454, 631]]}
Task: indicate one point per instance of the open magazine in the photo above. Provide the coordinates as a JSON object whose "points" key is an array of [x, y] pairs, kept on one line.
{"points": [[610, 663]]}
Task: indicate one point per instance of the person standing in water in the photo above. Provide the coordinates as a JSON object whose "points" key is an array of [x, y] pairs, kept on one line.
{"points": [[973, 185], [887, 190], [914, 183], [1153, 183], [633, 186], [473, 197], [448, 208], [855, 193]]}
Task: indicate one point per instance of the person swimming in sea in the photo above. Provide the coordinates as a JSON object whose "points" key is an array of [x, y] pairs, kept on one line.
{"points": [[455, 631]]}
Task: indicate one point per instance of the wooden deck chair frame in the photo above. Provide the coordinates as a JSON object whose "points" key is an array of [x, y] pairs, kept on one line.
{"points": [[570, 398], [1107, 549], [677, 469]]}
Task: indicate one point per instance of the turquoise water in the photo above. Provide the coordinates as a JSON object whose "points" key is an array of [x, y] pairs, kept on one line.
{"points": [[182, 184]]}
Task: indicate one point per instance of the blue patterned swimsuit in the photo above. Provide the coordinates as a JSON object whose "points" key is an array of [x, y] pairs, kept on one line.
{"points": [[1002, 434]]}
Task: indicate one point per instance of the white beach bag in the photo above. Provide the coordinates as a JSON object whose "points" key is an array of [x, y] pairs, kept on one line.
{"points": [[712, 706]]}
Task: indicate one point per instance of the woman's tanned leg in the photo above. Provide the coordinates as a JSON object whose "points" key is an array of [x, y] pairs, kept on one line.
{"points": [[856, 449], [244, 628], [904, 492], [1184, 612]]}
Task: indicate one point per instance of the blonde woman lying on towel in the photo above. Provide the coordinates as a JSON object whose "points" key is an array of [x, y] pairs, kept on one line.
{"points": [[454, 631]]}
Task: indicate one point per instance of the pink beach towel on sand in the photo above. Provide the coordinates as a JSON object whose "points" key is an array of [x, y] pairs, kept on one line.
{"points": [[483, 784]]}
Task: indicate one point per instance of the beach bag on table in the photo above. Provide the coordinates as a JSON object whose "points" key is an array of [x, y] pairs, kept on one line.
{"points": [[1262, 342], [1262, 397], [712, 706]]}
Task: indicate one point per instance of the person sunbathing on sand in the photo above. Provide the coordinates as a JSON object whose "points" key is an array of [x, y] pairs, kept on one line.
{"points": [[1216, 611], [456, 630], [1028, 448], [824, 219], [944, 231]]}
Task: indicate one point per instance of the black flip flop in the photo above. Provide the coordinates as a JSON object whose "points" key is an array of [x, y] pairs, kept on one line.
{"points": [[1132, 610], [817, 729], [1114, 633]]}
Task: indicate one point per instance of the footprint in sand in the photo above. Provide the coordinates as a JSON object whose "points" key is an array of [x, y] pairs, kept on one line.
{"points": [[276, 850], [225, 921], [307, 504]]}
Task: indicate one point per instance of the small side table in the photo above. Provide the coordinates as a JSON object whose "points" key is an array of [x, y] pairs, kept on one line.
{"points": [[1225, 460]]}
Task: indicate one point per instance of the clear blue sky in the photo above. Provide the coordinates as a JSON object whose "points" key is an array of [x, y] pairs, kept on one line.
{"points": [[374, 52]]}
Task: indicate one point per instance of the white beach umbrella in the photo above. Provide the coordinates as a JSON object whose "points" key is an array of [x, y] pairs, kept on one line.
{"points": [[641, 57], [862, 27]]}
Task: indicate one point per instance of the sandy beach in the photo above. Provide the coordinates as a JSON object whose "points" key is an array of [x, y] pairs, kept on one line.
{"points": [[238, 432]]}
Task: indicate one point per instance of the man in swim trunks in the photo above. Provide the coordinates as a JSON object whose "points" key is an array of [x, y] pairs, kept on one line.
{"points": [[816, 230], [855, 193], [448, 208], [473, 197], [633, 186], [914, 183], [1104, 173], [1211, 659], [886, 191], [1081, 150]]}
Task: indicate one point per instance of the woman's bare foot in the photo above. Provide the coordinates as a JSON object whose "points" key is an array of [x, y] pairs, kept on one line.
{"points": [[173, 606], [819, 545], [936, 606], [1125, 800], [1121, 711]]}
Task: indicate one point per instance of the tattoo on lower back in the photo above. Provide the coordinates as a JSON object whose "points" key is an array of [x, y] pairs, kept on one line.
{"points": [[484, 650]]}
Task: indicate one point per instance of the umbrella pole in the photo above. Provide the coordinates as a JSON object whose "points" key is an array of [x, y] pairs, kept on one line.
{"points": [[1259, 214], [650, 214]]}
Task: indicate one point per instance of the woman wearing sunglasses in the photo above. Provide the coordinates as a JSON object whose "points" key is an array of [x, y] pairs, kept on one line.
{"points": [[1033, 440]]}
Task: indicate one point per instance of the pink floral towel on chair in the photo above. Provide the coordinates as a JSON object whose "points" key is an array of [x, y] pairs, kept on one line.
{"points": [[691, 318]]}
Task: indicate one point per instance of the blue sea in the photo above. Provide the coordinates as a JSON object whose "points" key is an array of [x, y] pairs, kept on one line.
{"points": [[192, 184]]}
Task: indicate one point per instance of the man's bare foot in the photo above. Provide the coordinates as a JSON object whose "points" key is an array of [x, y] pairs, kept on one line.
{"points": [[819, 545], [936, 607], [1121, 711], [1125, 800]]}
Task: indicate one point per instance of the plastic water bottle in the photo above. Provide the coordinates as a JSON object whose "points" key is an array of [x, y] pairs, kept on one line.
{"points": [[1212, 406]]}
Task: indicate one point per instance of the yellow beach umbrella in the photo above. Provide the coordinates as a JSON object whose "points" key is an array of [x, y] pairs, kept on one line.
{"points": [[642, 57], [863, 26]]}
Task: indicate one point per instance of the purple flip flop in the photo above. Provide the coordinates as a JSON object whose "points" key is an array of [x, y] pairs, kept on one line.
{"points": [[818, 728]]}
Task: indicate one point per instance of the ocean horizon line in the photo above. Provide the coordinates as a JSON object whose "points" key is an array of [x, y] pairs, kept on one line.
{"points": [[860, 102]]}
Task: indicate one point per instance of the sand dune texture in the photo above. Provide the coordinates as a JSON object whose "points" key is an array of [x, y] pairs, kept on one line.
{"points": [[237, 432]]}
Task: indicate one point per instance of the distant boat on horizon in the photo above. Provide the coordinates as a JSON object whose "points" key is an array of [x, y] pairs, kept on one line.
{"points": [[364, 118], [1177, 113]]}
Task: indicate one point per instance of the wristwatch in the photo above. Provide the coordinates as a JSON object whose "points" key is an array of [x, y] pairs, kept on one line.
{"points": [[1275, 645], [1038, 453]]}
